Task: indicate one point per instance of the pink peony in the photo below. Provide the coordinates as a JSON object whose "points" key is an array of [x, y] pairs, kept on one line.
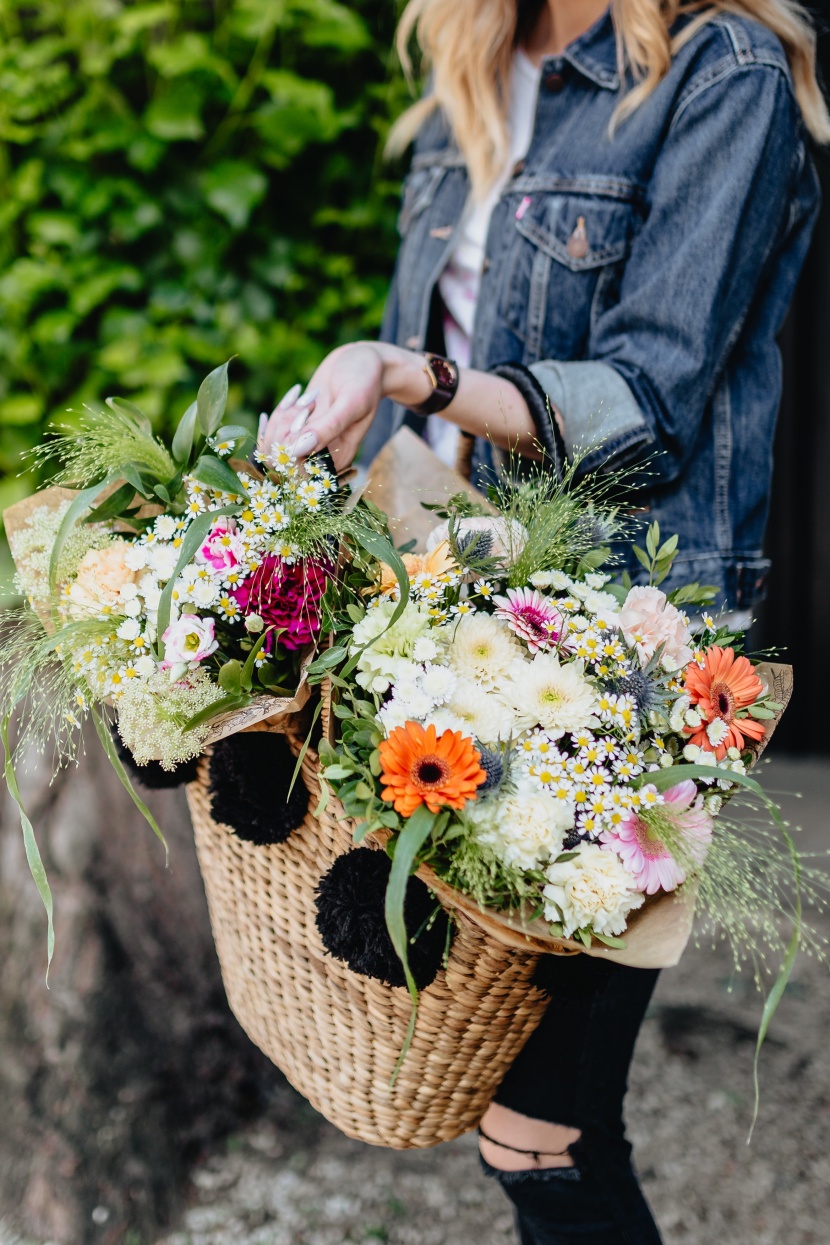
{"points": [[637, 841], [189, 639], [532, 617], [648, 621], [286, 597], [222, 549]]}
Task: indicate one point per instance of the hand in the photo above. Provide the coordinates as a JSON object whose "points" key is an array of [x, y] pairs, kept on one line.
{"points": [[338, 407]]}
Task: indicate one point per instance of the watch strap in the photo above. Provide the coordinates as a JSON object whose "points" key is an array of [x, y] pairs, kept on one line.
{"points": [[443, 375]]}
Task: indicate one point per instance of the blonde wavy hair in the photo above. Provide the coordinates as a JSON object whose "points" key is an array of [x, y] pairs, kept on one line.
{"points": [[468, 46]]}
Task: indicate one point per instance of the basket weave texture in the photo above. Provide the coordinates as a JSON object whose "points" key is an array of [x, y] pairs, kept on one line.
{"points": [[337, 1035]]}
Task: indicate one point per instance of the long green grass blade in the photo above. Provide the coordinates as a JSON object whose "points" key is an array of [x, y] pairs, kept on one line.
{"points": [[116, 763], [409, 842], [33, 856]]}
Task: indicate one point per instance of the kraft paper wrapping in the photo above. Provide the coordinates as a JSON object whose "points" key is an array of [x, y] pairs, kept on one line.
{"points": [[263, 708], [407, 473]]}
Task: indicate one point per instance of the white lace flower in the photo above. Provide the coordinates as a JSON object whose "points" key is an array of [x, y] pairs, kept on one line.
{"points": [[550, 694], [594, 890]]}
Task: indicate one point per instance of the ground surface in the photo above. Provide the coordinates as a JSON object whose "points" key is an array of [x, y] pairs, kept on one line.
{"points": [[291, 1179]]}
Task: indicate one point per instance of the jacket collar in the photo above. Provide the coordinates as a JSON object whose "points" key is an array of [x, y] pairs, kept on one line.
{"points": [[593, 54]]}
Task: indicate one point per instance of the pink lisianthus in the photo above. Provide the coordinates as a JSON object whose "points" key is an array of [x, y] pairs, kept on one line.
{"points": [[648, 620], [188, 640], [286, 597], [637, 839], [222, 549], [532, 617]]}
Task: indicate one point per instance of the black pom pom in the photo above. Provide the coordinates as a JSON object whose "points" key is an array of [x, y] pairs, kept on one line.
{"points": [[493, 767], [152, 775], [249, 777], [351, 921]]}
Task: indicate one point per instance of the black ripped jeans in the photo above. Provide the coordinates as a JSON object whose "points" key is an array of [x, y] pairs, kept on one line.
{"points": [[574, 1071]]}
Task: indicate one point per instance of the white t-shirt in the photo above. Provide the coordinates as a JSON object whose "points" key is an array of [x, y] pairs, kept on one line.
{"points": [[460, 281]]}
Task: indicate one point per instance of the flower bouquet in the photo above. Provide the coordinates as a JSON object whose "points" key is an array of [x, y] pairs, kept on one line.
{"points": [[554, 750], [176, 587]]}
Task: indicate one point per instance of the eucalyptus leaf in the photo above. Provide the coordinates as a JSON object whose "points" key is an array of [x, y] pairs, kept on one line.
{"points": [[215, 473], [230, 677], [212, 399], [113, 505], [184, 434]]}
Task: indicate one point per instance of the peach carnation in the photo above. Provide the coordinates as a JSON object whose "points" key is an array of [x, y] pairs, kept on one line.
{"points": [[648, 620], [102, 573]]}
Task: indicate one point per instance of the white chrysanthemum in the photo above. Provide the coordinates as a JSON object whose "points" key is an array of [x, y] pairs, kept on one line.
{"points": [[482, 649], [557, 580], [162, 560], [439, 683], [550, 694], [677, 717], [136, 557], [524, 829], [474, 712], [594, 890], [165, 526], [129, 629]]}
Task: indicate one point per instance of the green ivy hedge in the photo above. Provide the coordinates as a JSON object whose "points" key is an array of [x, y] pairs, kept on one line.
{"points": [[182, 181]]}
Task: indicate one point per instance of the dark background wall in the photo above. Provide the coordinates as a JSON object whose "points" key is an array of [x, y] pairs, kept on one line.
{"points": [[796, 615]]}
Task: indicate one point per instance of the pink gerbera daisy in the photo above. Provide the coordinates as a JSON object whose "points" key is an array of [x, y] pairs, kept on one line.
{"points": [[645, 837], [532, 617]]}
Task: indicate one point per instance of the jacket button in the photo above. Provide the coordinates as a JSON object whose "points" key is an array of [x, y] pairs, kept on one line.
{"points": [[553, 82]]}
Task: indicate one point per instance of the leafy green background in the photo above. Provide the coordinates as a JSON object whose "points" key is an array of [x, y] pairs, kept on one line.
{"points": [[183, 181]]}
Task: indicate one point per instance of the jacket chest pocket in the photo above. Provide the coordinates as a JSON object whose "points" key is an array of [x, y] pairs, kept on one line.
{"points": [[563, 268], [418, 192]]}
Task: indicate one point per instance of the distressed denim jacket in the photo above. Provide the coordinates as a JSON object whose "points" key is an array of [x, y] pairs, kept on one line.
{"points": [[640, 279]]}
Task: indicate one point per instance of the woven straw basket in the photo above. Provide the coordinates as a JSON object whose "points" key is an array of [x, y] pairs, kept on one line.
{"points": [[336, 1035]]}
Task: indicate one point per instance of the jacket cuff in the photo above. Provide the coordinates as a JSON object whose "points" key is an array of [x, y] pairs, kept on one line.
{"points": [[597, 406], [541, 411]]}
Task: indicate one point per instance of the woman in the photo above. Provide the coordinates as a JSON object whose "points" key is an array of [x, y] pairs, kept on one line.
{"points": [[603, 225]]}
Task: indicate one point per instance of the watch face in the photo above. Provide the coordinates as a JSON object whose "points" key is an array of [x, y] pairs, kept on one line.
{"points": [[444, 372]]}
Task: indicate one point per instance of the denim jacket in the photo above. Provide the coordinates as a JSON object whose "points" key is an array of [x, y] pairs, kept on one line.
{"points": [[640, 278]]}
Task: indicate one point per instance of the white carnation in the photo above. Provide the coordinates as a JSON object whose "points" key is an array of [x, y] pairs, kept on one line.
{"points": [[548, 693], [594, 890], [524, 829]]}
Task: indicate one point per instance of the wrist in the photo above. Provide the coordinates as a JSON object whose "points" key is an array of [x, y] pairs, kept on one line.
{"points": [[404, 378]]}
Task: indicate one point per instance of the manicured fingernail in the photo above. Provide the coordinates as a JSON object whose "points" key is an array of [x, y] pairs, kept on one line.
{"points": [[304, 444], [298, 424], [263, 424], [290, 398], [308, 397]]}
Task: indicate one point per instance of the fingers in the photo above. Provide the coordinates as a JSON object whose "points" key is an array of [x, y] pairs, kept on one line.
{"points": [[287, 418]]}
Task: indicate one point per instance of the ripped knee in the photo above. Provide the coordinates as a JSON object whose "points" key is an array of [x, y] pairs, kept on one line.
{"points": [[509, 1141]]}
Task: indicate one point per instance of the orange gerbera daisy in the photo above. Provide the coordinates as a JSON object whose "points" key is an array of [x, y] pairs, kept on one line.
{"points": [[720, 688], [418, 768], [438, 562]]}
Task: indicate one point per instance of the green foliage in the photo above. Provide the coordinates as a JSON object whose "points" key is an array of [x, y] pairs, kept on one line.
{"points": [[181, 182]]}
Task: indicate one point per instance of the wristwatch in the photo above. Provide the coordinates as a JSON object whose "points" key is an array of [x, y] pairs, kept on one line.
{"points": [[443, 375]]}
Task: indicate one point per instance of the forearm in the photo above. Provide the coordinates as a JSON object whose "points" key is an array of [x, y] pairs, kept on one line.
{"points": [[484, 405]]}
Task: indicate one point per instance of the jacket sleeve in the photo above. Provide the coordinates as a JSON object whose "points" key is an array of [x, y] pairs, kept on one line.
{"points": [[721, 199]]}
